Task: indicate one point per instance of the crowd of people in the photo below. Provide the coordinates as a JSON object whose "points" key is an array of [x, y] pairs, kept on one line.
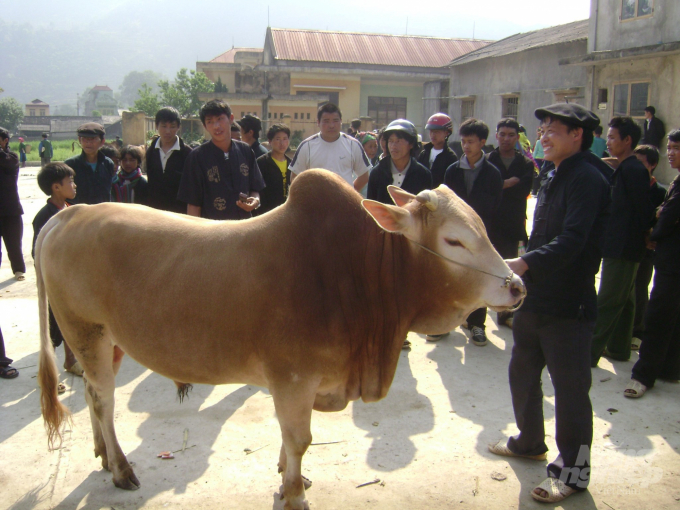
{"points": [[598, 205]]}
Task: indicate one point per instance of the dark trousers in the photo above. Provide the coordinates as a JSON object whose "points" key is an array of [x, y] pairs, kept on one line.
{"points": [[4, 360], [642, 280], [615, 310], [12, 231], [564, 346], [660, 357], [477, 318]]}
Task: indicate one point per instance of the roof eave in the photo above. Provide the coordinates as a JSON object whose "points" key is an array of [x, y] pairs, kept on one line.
{"points": [[604, 57]]}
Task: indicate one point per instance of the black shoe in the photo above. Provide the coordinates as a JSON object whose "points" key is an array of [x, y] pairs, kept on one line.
{"points": [[478, 336], [435, 338]]}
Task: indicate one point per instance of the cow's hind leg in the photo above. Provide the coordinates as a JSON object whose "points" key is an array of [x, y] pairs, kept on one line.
{"points": [[100, 361], [99, 443], [294, 402]]}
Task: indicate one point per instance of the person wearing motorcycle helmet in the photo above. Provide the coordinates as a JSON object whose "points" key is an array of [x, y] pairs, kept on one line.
{"points": [[399, 167], [436, 154]]}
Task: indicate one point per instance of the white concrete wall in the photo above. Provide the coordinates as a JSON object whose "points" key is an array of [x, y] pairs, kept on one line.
{"points": [[609, 32], [663, 74], [533, 73]]}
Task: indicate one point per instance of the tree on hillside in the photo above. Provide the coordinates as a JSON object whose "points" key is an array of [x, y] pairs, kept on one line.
{"points": [[11, 113], [183, 92], [147, 102], [132, 83]]}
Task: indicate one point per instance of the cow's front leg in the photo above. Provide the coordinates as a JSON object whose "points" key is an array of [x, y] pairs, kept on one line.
{"points": [[294, 402]]}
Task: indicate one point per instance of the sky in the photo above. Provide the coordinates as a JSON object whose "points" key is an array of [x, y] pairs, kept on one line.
{"points": [[120, 36], [210, 27]]}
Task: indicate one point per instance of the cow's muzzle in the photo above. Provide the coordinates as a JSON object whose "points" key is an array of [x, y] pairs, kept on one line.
{"points": [[517, 289]]}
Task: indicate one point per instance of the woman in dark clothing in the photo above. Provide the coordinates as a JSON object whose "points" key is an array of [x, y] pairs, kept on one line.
{"points": [[11, 225], [399, 167]]}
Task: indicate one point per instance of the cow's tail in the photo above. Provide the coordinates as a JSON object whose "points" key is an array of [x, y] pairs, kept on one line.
{"points": [[54, 412]]}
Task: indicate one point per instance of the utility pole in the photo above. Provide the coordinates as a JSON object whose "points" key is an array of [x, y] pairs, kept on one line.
{"points": [[78, 104], [406, 25]]}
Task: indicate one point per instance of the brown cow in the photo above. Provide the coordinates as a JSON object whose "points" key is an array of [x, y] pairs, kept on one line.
{"points": [[312, 300]]}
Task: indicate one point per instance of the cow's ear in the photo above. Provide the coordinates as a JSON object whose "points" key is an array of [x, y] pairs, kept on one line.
{"points": [[389, 217], [399, 196]]}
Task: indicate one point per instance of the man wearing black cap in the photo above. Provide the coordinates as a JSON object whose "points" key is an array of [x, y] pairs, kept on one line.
{"points": [[555, 325], [94, 171]]}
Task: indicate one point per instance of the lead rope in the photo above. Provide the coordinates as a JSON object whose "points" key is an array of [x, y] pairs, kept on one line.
{"points": [[506, 279]]}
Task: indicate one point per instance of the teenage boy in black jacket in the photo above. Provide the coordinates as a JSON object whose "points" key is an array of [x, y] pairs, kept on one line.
{"points": [[94, 171], [164, 162], [480, 185], [660, 349], [554, 326], [437, 155], [508, 226], [624, 247], [648, 155]]}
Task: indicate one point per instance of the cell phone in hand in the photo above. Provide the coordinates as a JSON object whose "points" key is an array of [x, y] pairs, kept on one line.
{"points": [[243, 197]]}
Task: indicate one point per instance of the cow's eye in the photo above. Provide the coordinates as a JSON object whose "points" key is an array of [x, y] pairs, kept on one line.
{"points": [[454, 242]]}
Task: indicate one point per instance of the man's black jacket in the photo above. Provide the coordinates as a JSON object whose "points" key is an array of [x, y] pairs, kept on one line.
{"points": [[509, 221], [10, 204], [444, 159], [655, 133], [274, 194], [164, 184], [93, 186], [565, 247], [417, 179], [487, 190], [632, 212], [666, 232]]}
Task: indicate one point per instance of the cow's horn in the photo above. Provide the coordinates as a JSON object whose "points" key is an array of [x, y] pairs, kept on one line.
{"points": [[429, 199]]}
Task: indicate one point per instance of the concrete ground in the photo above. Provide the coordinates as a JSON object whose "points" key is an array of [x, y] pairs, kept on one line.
{"points": [[426, 442]]}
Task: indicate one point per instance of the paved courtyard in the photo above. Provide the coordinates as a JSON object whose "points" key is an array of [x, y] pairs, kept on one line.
{"points": [[426, 442]]}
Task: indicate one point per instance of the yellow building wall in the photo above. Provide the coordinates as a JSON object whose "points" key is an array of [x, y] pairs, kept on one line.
{"points": [[228, 77], [349, 97], [36, 111]]}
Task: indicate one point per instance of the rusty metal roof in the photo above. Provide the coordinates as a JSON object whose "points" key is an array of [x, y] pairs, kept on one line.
{"points": [[372, 49], [228, 56], [569, 32]]}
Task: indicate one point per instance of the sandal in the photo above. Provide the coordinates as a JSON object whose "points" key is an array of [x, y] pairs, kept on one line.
{"points": [[635, 389], [501, 449], [61, 388], [406, 345], [76, 369], [556, 489], [19, 276], [8, 372], [635, 344]]}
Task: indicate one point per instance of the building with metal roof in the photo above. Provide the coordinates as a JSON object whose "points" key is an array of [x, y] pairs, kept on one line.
{"points": [[377, 77], [514, 76], [632, 60]]}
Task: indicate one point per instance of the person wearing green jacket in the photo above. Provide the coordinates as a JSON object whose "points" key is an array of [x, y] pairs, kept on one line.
{"points": [[45, 150]]}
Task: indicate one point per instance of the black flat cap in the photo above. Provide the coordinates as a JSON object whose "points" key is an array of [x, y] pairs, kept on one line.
{"points": [[91, 130], [574, 113]]}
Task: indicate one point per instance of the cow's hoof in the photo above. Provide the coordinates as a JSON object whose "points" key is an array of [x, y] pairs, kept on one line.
{"points": [[303, 505], [129, 484]]}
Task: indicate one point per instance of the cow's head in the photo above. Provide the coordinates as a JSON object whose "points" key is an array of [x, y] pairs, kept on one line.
{"points": [[465, 272]]}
